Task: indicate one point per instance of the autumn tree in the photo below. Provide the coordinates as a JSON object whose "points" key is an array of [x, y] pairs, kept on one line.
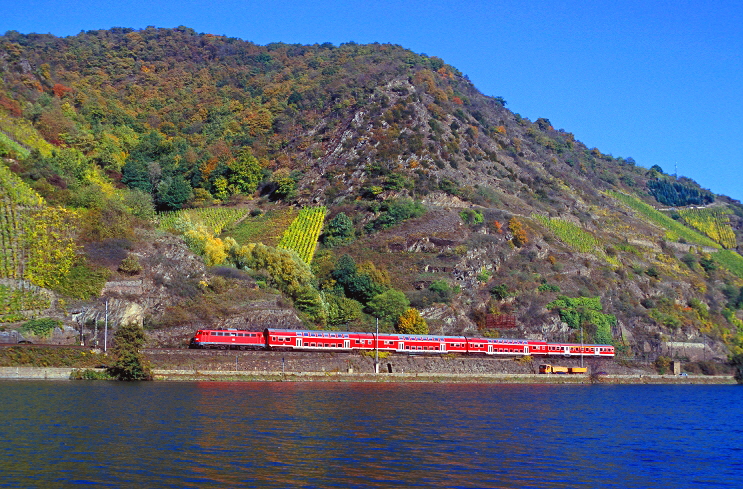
{"points": [[411, 322], [520, 238]]}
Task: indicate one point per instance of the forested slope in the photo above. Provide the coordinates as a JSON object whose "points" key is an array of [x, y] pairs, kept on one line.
{"points": [[446, 211]]}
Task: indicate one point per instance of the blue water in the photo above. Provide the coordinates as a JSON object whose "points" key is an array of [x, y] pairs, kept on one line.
{"points": [[204, 435]]}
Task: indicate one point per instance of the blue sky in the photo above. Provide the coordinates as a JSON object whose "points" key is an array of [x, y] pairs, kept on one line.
{"points": [[659, 81]]}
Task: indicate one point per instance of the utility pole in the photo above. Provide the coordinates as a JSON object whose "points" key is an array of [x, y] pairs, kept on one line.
{"points": [[105, 331], [376, 350]]}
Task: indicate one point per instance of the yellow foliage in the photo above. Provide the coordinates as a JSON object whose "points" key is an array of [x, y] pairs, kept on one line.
{"points": [[51, 245], [214, 251], [411, 322], [520, 238], [381, 277]]}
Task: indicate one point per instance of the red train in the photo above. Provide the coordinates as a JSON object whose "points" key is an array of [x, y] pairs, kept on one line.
{"points": [[308, 340]]}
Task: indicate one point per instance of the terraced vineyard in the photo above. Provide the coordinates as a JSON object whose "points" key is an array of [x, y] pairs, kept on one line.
{"points": [[712, 221], [730, 260], [16, 200], [570, 234], [675, 230], [215, 219], [302, 234]]}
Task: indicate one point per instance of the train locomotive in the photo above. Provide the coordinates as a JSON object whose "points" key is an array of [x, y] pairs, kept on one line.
{"points": [[313, 340]]}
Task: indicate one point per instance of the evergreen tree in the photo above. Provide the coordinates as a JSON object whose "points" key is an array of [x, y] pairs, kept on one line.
{"points": [[129, 363], [339, 230]]}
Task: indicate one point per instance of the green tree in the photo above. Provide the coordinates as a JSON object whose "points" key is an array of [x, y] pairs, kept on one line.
{"points": [[129, 363], [245, 173], [339, 230], [342, 310], [388, 306], [358, 286], [173, 193], [285, 184], [136, 176]]}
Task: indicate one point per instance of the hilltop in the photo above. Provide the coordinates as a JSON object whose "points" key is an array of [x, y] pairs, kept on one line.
{"points": [[434, 197]]}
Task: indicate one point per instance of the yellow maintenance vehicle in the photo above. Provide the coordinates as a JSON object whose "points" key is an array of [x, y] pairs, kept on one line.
{"points": [[554, 369]]}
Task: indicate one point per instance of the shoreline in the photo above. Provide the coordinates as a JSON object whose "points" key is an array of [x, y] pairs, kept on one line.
{"points": [[162, 375]]}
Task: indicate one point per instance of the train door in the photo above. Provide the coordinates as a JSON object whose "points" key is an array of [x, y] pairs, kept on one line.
{"points": [[347, 344], [442, 346], [566, 350], [526, 349], [490, 349], [400, 346], [299, 342]]}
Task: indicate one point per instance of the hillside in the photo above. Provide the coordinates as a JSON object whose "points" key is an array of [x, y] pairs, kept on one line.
{"points": [[433, 196]]}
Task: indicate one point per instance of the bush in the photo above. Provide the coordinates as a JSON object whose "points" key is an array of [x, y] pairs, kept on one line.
{"points": [[500, 292], [41, 327], [443, 291], [339, 231], [548, 288], [394, 212], [662, 363], [90, 374], [130, 265]]}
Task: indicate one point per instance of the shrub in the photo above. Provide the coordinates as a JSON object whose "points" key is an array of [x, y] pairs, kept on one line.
{"points": [[500, 292], [40, 327], [548, 288], [520, 238], [394, 212], [130, 265], [90, 374], [83, 281], [662, 363], [443, 292]]}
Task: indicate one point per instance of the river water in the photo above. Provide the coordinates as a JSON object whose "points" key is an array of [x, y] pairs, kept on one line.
{"points": [[278, 435]]}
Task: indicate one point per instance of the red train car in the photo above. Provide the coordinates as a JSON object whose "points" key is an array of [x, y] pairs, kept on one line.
{"points": [[288, 339], [225, 339], [498, 346], [406, 343], [576, 349]]}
